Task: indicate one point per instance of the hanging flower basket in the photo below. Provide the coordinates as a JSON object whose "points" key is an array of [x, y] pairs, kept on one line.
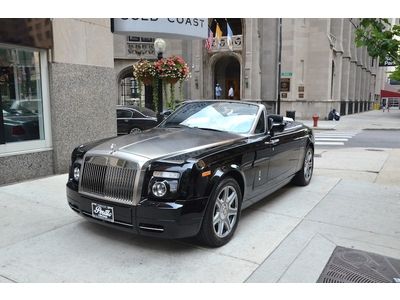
{"points": [[172, 69], [144, 71], [171, 80], [146, 80]]}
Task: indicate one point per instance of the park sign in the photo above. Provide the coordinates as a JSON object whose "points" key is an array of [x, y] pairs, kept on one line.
{"points": [[387, 62], [183, 28]]}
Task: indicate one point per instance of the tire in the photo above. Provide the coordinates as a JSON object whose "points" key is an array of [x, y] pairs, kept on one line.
{"points": [[222, 214], [303, 177], [135, 130]]}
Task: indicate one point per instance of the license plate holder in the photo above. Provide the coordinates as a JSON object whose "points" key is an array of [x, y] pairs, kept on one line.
{"points": [[103, 212]]}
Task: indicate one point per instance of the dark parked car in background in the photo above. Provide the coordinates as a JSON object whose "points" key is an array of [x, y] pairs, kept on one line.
{"points": [[134, 119], [20, 124], [192, 174]]}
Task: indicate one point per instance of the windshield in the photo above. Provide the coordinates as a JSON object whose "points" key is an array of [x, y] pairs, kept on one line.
{"points": [[221, 116]]}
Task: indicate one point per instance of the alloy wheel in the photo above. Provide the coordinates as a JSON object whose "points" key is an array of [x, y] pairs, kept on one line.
{"points": [[308, 165], [225, 211]]}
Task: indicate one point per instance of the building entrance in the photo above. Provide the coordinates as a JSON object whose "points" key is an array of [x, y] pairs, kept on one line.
{"points": [[227, 74]]}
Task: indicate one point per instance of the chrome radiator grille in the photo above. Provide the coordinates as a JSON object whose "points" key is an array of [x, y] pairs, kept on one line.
{"points": [[109, 178]]}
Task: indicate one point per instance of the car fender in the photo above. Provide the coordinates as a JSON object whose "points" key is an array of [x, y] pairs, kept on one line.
{"points": [[227, 171]]}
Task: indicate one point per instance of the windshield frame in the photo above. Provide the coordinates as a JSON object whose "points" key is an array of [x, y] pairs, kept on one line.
{"points": [[260, 109]]}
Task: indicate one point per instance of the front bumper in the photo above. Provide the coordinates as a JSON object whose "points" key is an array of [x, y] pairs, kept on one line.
{"points": [[173, 220]]}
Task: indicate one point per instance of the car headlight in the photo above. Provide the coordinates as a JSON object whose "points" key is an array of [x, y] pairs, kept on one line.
{"points": [[76, 173], [164, 184], [159, 189]]}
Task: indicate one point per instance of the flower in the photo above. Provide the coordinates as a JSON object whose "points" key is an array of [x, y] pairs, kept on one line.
{"points": [[144, 70], [172, 68]]}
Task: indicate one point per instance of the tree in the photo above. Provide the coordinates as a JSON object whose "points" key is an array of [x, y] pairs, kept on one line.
{"points": [[381, 39]]}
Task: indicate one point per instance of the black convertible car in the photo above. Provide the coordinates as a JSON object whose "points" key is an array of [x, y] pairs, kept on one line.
{"points": [[192, 174]]}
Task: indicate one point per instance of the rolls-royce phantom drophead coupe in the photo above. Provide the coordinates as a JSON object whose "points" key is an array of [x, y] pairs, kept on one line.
{"points": [[193, 173]]}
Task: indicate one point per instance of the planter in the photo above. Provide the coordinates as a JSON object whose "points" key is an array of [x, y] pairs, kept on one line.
{"points": [[171, 80], [147, 80]]}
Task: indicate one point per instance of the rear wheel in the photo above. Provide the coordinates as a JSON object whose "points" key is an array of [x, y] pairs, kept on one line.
{"points": [[303, 177], [135, 130], [222, 214]]}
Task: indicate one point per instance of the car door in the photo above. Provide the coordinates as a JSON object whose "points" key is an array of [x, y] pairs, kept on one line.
{"points": [[280, 162], [285, 148], [123, 120], [261, 158], [141, 121]]}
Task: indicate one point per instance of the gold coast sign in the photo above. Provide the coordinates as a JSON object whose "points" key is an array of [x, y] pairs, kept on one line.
{"points": [[185, 28]]}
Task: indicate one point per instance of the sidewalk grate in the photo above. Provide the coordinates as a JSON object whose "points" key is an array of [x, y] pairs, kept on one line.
{"points": [[355, 266]]}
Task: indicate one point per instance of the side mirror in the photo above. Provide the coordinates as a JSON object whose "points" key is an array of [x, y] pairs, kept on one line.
{"points": [[275, 124], [270, 123]]}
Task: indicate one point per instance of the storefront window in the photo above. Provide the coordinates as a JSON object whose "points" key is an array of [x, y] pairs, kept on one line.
{"points": [[21, 101]]}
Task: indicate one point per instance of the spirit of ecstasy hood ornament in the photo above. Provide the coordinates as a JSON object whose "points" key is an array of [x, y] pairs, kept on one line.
{"points": [[113, 148]]}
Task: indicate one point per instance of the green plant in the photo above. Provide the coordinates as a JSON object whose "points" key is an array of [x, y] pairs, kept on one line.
{"points": [[172, 69], [144, 71], [381, 40]]}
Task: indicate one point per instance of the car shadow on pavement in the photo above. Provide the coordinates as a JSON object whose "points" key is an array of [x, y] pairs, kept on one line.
{"points": [[111, 235], [127, 239]]}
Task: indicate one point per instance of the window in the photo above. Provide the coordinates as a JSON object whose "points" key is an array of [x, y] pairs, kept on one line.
{"points": [[137, 114], [260, 128], [122, 113], [24, 114]]}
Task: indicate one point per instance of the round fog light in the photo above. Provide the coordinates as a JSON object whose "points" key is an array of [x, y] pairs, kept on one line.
{"points": [[159, 189], [76, 173]]}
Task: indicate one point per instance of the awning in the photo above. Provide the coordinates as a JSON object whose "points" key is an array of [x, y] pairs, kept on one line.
{"points": [[389, 94]]}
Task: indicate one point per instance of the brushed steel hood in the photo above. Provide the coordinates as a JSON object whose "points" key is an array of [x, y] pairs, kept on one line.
{"points": [[166, 142]]}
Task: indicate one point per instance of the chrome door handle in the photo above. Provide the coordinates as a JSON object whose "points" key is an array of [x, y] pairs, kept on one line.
{"points": [[272, 142]]}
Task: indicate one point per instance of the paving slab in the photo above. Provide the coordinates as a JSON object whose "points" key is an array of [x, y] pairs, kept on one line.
{"points": [[49, 191], [257, 235], [347, 174], [86, 252], [310, 262], [355, 204], [297, 201], [354, 159], [23, 217], [390, 174], [5, 280]]}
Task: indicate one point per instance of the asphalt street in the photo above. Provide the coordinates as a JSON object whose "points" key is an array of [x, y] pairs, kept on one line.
{"points": [[361, 138]]}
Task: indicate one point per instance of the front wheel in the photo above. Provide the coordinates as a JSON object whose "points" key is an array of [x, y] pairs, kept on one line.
{"points": [[222, 214], [303, 177]]}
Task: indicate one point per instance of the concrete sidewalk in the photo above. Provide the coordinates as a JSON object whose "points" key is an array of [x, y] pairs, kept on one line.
{"points": [[370, 120], [287, 237], [359, 211]]}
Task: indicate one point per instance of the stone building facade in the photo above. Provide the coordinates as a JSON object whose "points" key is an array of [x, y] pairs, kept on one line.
{"points": [[327, 69], [57, 91], [321, 68]]}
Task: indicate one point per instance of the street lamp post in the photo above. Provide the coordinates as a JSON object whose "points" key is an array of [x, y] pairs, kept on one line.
{"points": [[159, 47], [278, 110]]}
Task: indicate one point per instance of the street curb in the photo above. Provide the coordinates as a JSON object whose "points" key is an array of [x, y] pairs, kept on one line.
{"points": [[318, 128], [388, 129]]}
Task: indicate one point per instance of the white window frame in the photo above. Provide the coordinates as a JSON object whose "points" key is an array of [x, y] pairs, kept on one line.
{"points": [[23, 147]]}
